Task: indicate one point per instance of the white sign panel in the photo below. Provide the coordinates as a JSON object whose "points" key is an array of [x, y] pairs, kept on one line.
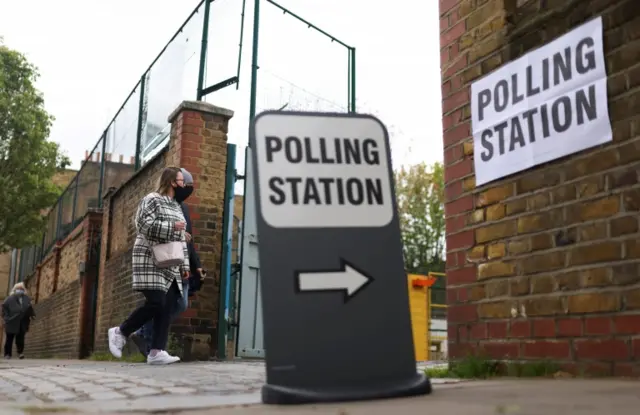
{"points": [[548, 104], [323, 172]]}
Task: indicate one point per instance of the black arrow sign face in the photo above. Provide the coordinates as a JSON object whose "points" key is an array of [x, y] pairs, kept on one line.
{"points": [[348, 278], [324, 193]]}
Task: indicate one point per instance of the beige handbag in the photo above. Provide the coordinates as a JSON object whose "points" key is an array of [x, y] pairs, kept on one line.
{"points": [[168, 255]]}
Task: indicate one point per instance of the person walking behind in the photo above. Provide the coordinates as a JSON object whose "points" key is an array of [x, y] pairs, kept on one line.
{"points": [[159, 224], [17, 313], [142, 338]]}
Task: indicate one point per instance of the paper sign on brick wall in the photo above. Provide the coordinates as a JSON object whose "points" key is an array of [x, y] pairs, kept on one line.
{"points": [[547, 104]]}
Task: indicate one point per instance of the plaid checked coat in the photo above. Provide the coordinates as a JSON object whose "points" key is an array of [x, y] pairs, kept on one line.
{"points": [[155, 223]]}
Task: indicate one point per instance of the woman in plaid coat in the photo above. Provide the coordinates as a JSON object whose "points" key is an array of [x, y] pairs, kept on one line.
{"points": [[159, 219]]}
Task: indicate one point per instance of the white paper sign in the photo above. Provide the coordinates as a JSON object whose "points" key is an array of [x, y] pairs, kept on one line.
{"points": [[323, 172], [547, 104]]}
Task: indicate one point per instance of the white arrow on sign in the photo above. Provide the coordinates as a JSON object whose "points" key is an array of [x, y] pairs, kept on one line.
{"points": [[348, 279]]}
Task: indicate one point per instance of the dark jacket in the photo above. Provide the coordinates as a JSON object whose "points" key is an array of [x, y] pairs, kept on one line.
{"points": [[195, 281], [17, 312]]}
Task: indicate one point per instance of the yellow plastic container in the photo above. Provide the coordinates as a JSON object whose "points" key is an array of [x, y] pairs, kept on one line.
{"points": [[419, 309]]}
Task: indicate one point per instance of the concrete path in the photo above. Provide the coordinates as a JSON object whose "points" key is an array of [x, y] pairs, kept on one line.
{"points": [[88, 386], [60, 387], [503, 397]]}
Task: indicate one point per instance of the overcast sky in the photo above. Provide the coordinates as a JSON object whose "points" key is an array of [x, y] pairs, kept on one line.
{"points": [[91, 54]]}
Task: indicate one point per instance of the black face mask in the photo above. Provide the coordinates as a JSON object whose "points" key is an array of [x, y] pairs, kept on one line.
{"points": [[183, 193]]}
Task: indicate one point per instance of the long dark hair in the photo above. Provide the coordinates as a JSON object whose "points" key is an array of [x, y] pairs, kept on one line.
{"points": [[168, 176]]}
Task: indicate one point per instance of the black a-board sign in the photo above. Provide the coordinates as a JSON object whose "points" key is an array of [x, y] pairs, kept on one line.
{"points": [[337, 325]]}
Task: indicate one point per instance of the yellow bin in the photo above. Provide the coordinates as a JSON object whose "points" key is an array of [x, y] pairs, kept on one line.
{"points": [[420, 310]]}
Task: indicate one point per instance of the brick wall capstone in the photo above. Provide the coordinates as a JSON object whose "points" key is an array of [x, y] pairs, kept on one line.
{"points": [[544, 264]]}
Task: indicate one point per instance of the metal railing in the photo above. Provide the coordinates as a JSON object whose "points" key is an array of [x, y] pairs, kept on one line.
{"points": [[133, 136], [139, 129], [306, 61]]}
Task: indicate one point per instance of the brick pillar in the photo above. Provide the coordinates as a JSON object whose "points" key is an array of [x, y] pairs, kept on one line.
{"points": [[469, 40], [199, 144], [543, 264]]}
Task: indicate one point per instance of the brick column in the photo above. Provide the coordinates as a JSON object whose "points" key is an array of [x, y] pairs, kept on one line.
{"points": [[470, 42], [199, 144], [543, 264]]}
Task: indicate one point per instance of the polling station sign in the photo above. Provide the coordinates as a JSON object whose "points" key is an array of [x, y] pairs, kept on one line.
{"points": [[547, 104], [330, 254], [338, 178]]}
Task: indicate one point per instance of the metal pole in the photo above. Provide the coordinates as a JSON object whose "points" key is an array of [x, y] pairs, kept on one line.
{"points": [[203, 48], [252, 113], [227, 240], [20, 265], [244, 2], [353, 80], [240, 257], [102, 167], [143, 81], [75, 201], [254, 61], [33, 260], [44, 238], [349, 80], [59, 219]]}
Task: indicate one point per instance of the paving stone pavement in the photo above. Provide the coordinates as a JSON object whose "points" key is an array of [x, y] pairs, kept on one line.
{"points": [[88, 386]]}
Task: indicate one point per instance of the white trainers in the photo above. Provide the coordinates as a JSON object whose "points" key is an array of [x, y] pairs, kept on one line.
{"points": [[162, 358], [116, 342]]}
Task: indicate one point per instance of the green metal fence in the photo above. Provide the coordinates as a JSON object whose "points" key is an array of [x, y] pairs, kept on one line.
{"points": [[140, 129], [313, 71], [136, 132]]}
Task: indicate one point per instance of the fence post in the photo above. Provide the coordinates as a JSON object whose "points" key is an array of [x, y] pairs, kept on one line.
{"points": [[244, 3], [254, 61], [21, 266], [35, 253], [59, 218], [227, 241], [44, 238], [203, 48], [143, 81], [349, 80], [75, 200], [102, 163], [352, 83]]}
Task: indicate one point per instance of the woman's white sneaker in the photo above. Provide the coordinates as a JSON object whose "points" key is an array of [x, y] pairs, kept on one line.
{"points": [[162, 358], [116, 342]]}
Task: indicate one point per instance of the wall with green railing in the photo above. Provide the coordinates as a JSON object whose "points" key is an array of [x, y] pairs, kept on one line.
{"points": [[139, 129]]}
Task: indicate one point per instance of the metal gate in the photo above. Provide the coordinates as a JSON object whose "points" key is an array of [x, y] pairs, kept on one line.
{"points": [[250, 329]]}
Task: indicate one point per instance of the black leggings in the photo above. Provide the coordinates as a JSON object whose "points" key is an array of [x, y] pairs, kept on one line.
{"points": [[8, 344], [157, 306]]}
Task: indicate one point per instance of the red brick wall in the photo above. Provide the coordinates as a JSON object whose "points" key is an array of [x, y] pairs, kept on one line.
{"points": [[45, 282], [55, 331], [197, 143], [57, 291], [544, 263]]}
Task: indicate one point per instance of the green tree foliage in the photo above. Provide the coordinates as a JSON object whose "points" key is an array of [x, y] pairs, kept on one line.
{"points": [[28, 160], [420, 193]]}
